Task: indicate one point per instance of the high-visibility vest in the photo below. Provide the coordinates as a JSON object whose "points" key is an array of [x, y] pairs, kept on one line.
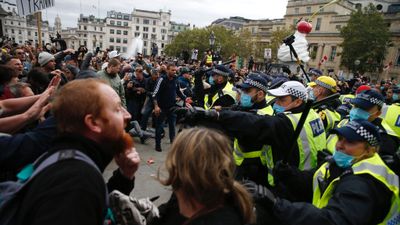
{"points": [[332, 118], [209, 59], [374, 167], [239, 155], [333, 138], [227, 90], [346, 98], [391, 119], [312, 139]]}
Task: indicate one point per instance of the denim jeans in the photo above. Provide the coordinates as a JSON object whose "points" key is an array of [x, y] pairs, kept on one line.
{"points": [[146, 112], [171, 120]]}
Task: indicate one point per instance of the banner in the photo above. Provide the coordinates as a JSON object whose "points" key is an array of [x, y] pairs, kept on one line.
{"points": [[28, 7]]}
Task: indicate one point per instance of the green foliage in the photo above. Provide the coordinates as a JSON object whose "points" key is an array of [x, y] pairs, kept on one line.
{"points": [[276, 40], [365, 38], [199, 38]]}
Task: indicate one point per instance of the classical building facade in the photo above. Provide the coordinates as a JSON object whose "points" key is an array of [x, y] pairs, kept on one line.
{"points": [[175, 29]]}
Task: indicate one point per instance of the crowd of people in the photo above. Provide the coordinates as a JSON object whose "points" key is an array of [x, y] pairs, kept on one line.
{"points": [[252, 147]]}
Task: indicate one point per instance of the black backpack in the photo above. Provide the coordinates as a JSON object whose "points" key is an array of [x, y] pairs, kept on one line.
{"points": [[10, 191]]}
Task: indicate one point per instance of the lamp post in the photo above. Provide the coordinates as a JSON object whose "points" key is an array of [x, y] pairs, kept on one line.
{"points": [[212, 40]]}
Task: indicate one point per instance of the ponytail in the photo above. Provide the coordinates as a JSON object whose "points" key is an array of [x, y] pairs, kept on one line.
{"points": [[243, 202]]}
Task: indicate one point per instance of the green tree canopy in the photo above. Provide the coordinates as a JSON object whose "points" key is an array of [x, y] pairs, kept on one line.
{"points": [[365, 38], [199, 38]]}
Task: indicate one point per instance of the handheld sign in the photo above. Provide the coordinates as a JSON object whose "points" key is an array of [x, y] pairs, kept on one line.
{"points": [[28, 7]]}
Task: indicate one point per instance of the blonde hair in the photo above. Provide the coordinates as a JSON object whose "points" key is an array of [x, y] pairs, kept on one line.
{"points": [[200, 165]]}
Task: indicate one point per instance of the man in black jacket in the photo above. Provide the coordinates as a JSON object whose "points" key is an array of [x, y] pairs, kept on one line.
{"points": [[72, 191]]}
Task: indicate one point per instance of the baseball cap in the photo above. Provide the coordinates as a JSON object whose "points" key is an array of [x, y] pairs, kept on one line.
{"points": [[315, 72], [325, 82], [221, 70], [256, 81], [359, 130], [293, 88], [362, 88], [367, 99]]}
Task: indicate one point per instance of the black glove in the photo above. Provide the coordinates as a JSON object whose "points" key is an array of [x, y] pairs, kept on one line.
{"points": [[260, 193], [283, 171], [179, 110]]}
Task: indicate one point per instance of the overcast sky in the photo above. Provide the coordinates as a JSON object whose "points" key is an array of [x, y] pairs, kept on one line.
{"points": [[198, 12]]}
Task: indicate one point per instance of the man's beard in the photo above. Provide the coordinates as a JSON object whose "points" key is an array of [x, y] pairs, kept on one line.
{"points": [[119, 145]]}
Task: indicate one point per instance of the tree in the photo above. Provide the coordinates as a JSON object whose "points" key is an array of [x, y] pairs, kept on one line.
{"points": [[365, 40], [199, 39], [276, 40]]}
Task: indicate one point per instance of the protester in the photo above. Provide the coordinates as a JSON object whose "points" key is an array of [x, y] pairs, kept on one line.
{"points": [[206, 192]]}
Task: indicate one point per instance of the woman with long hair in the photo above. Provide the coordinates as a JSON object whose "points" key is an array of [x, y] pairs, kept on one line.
{"points": [[200, 169]]}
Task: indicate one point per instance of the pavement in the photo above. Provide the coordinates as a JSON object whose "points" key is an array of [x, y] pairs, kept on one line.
{"points": [[146, 183]]}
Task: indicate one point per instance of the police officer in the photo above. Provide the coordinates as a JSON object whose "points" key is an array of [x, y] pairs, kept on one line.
{"points": [[391, 115], [277, 131], [220, 93], [249, 157], [353, 187], [314, 74], [323, 87]]}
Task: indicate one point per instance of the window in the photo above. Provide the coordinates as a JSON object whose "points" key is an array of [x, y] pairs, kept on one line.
{"points": [[29, 32], [154, 29], [35, 34], [309, 9], [118, 31], [19, 24], [43, 35], [145, 36], [118, 48], [85, 27], [162, 45], [321, 9], [154, 36], [101, 36], [145, 43], [94, 28], [84, 43], [318, 26], [125, 24], [145, 51], [137, 20], [112, 31], [111, 47], [119, 23], [12, 31], [125, 41], [154, 22], [101, 29], [101, 45], [137, 34], [145, 29], [333, 53], [12, 22], [294, 22], [19, 32], [123, 49], [163, 31], [112, 22], [119, 16], [296, 10], [163, 37], [163, 24], [338, 27], [94, 36], [118, 40], [112, 16], [137, 28], [111, 39], [126, 17], [125, 32], [146, 21]]}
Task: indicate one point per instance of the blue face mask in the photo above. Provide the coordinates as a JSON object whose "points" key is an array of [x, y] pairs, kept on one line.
{"points": [[278, 109], [245, 100], [358, 114], [211, 80], [395, 97], [342, 159]]}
